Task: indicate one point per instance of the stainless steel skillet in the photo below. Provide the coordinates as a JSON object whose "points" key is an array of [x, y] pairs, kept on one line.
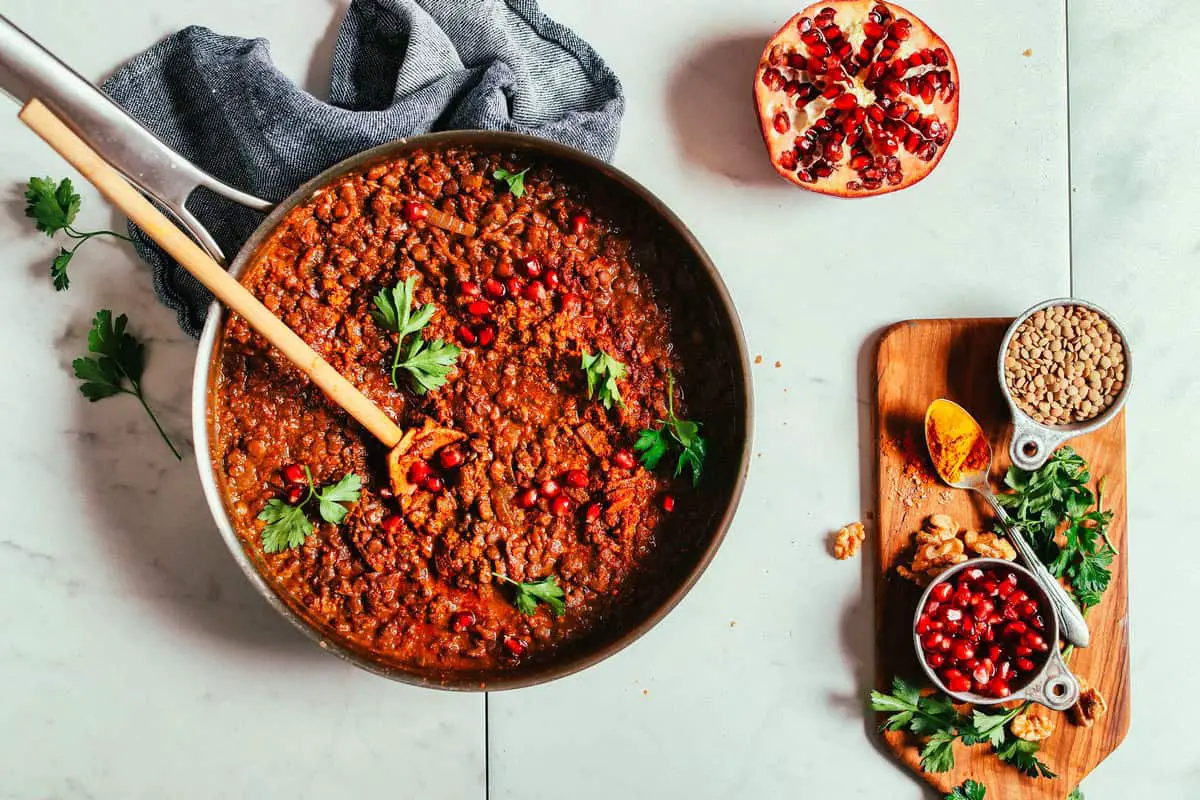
{"points": [[27, 71]]}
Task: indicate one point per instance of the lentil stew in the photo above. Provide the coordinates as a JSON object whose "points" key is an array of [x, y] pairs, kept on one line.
{"points": [[545, 484]]}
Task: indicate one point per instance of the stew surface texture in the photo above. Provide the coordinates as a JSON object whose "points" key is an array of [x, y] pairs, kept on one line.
{"points": [[418, 589]]}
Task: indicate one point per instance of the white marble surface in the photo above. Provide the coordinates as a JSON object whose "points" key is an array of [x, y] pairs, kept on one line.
{"points": [[137, 662]]}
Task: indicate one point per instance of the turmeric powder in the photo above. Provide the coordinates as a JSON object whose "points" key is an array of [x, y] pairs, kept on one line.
{"points": [[956, 442]]}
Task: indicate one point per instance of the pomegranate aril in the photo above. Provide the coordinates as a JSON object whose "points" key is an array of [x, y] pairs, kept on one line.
{"points": [[551, 488], [782, 122], [981, 674], [294, 473], [845, 102], [1019, 597], [1004, 671], [531, 267], [668, 503], [873, 30], [535, 292], [579, 224], [773, 79], [998, 687], [515, 647], [788, 160], [1027, 609], [963, 650], [479, 308], [1025, 664], [1037, 622], [576, 479], [551, 279], [295, 494], [922, 626], [391, 524], [415, 211], [952, 614], [487, 335], [1022, 650], [1033, 641], [465, 335], [624, 459], [935, 660], [434, 484], [593, 512], [941, 592], [959, 684], [527, 499], [932, 641], [1016, 629], [571, 303], [494, 288], [450, 457], [461, 621], [468, 289], [419, 472], [562, 505]]}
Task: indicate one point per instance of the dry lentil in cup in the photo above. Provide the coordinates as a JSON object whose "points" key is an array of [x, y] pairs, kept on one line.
{"points": [[1065, 364]]}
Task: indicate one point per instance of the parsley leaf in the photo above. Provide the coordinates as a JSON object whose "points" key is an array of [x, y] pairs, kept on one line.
{"points": [[1056, 497], [989, 727], [1023, 755], [515, 180], [674, 433], [288, 525], [427, 364], [117, 366], [530, 593], [938, 753], [53, 206], [603, 371], [970, 790], [1076, 793]]}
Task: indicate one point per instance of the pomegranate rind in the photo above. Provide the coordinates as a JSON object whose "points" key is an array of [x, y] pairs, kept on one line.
{"points": [[417, 444], [770, 102]]}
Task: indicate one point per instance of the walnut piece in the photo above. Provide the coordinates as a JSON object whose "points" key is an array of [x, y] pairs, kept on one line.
{"points": [[1090, 707], [1035, 724], [989, 545], [847, 540]]}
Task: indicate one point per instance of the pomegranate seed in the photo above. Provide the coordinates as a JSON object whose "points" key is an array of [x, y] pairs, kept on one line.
{"points": [[576, 479], [998, 687], [845, 102], [922, 626], [951, 673], [551, 488], [959, 684], [419, 472], [294, 473], [932, 641], [479, 308], [460, 621], [873, 30], [935, 625], [1027, 609], [572, 303], [515, 647], [1025, 664], [932, 607], [391, 524], [1005, 671], [1019, 597], [434, 484], [465, 335], [994, 653], [295, 494], [952, 614], [963, 650], [593, 513], [984, 609], [1023, 651], [1015, 629], [1034, 641], [487, 335], [535, 292], [1037, 622], [781, 123], [942, 592], [773, 79], [532, 267], [562, 505], [450, 457], [415, 211], [494, 288], [981, 675], [527, 499], [468, 289], [936, 660], [551, 279], [624, 459], [579, 224], [515, 286], [668, 503]]}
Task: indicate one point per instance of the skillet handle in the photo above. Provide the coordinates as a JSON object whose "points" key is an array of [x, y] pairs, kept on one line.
{"points": [[28, 71]]}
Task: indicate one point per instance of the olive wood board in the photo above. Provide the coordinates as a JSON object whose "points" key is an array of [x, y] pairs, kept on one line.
{"points": [[917, 362]]}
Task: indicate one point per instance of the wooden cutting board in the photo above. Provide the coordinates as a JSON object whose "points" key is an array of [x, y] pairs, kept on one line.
{"points": [[919, 361]]}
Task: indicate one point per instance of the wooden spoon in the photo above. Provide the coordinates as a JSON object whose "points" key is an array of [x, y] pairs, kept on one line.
{"points": [[406, 447]]}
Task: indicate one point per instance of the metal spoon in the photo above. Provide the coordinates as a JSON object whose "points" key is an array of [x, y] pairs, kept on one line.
{"points": [[1074, 628]]}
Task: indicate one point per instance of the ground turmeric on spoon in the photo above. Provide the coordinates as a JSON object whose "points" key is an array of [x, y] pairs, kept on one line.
{"points": [[957, 444]]}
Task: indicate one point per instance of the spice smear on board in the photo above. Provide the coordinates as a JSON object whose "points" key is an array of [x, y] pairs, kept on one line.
{"points": [[956, 442]]}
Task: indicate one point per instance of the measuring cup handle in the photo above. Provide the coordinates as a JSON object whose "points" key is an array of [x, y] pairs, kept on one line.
{"points": [[1056, 686], [1032, 445]]}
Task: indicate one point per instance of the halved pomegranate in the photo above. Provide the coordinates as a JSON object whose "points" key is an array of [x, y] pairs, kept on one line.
{"points": [[856, 98]]}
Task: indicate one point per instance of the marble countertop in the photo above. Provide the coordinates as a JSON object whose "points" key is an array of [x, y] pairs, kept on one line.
{"points": [[137, 662]]}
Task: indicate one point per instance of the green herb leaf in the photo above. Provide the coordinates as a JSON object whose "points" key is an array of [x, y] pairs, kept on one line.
{"points": [[1023, 755], [603, 371], [970, 790], [1076, 794], [58, 269], [288, 526], [938, 753], [429, 364], [653, 445], [990, 727], [117, 366], [676, 434], [52, 206], [515, 180], [529, 594]]}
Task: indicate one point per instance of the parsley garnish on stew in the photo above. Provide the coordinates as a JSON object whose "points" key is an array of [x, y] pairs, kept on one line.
{"points": [[53, 206], [603, 371], [515, 180], [673, 435], [428, 363], [288, 525], [529, 594], [118, 365], [970, 790]]}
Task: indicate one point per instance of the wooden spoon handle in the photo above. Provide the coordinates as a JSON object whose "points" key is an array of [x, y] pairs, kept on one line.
{"points": [[189, 255]]}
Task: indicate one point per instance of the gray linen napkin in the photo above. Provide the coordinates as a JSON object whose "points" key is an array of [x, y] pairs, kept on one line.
{"points": [[400, 67]]}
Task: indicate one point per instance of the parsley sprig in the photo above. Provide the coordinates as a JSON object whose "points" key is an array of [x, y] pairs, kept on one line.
{"points": [[120, 360], [515, 180], [1076, 793], [1056, 496], [53, 206], [427, 363], [970, 790], [673, 434], [288, 525], [530, 593], [603, 371], [936, 718]]}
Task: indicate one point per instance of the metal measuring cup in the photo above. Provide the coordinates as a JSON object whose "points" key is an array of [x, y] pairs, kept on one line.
{"points": [[1053, 685], [1032, 442]]}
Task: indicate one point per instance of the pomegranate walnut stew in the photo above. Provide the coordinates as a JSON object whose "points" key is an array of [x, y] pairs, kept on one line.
{"points": [[523, 327]]}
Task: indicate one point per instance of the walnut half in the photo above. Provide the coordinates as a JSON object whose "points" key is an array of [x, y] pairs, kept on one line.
{"points": [[1033, 725], [847, 540], [1090, 707]]}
